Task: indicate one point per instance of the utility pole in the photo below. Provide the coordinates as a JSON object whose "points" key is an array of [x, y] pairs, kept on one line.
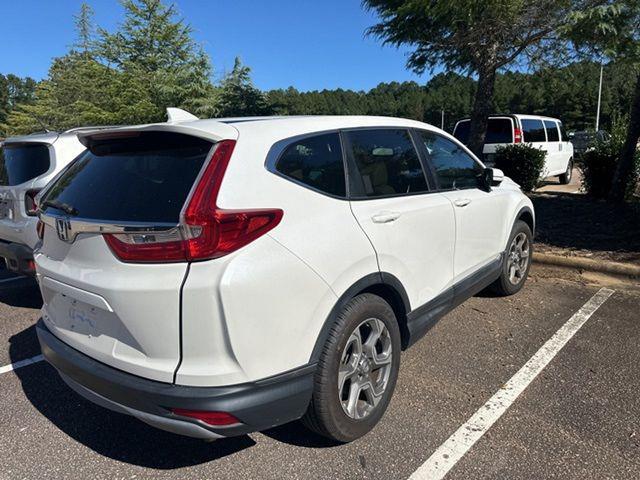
{"points": [[599, 98], [442, 121]]}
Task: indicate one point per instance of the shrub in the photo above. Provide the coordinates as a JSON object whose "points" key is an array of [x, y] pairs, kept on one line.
{"points": [[599, 164], [522, 163], [598, 167]]}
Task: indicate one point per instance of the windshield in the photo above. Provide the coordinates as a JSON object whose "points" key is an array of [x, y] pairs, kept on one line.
{"points": [[145, 177], [22, 162]]}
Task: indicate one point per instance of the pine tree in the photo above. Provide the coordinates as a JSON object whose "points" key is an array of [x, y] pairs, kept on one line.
{"points": [[156, 47], [239, 97]]}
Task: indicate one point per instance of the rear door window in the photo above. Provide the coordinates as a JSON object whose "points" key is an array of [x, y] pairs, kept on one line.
{"points": [[461, 131], [383, 162], [316, 162], [143, 178], [552, 131], [22, 162], [499, 130], [533, 131]]}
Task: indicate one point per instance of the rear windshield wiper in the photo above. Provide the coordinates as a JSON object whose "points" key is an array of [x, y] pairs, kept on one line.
{"points": [[66, 208]]}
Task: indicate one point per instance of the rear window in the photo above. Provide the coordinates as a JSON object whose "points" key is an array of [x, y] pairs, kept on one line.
{"points": [[533, 131], [461, 132], [144, 178], [20, 163], [499, 130]]}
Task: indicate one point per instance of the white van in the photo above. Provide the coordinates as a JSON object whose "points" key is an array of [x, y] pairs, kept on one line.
{"points": [[545, 133]]}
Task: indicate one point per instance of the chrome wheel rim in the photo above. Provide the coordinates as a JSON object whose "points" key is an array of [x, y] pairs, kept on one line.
{"points": [[569, 171], [518, 260], [365, 368]]}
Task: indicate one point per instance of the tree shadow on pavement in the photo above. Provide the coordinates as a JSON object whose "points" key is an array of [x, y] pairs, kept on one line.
{"points": [[577, 222], [111, 434]]}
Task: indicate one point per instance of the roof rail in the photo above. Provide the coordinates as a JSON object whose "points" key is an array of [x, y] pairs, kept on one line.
{"points": [[179, 115]]}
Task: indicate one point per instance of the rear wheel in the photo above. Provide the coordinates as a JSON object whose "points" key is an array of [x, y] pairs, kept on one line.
{"points": [[565, 178], [357, 371], [515, 267]]}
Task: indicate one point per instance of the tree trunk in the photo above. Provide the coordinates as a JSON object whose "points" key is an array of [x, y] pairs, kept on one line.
{"points": [[625, 168], [482, 105]]}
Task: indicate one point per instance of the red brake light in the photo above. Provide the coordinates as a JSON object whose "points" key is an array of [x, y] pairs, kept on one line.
{"points": [[30, 205], [517, 135], [217, 419], [206, 231]]}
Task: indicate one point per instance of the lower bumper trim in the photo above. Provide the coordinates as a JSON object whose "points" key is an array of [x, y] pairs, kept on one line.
{"points": [[19, 258], [258, 405]]}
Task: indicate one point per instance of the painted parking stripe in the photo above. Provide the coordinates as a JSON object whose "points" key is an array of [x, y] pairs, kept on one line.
{"points": [[22, 363], [458, 444]]}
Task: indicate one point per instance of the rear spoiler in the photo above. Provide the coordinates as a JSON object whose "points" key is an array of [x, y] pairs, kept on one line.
{"points": [[179, 122]]}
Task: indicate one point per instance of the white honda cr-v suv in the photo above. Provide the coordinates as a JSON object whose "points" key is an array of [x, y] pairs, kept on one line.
{"points": [[216, 277]]}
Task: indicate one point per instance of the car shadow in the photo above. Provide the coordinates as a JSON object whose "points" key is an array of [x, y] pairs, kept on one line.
{"points": [[21, 292], [296, 434], [111, 434]]}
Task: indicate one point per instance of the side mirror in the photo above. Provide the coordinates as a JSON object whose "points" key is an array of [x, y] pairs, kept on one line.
{"points": [[491, 177], [498, 176]]}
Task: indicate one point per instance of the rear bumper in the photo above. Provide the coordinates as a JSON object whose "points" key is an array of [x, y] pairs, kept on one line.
{"points": [[19, 258], [258, 405]]}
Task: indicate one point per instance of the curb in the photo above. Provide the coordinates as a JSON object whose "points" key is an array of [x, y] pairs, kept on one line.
{"points": [[602, 266]]}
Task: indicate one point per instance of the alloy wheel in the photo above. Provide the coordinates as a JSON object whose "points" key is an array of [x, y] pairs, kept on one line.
{"points": [[518, 258], [365, 368]]}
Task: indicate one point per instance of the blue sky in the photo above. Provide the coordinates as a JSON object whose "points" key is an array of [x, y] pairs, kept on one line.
{"points": [[308, 44]]}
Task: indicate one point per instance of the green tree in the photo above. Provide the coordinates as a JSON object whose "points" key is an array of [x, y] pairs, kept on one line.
{"points": [[85, 30], [613, 31], [156, 47], [474, 36], [239, 97]]}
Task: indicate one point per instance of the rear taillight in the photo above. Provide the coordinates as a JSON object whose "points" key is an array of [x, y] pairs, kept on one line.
{"points": [[517, 135], [30, 205], [40, 229], [206, 231]]}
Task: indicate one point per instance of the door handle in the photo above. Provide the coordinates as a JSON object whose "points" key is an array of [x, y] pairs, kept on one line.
{"points": [[462, 202], [385, 217]]}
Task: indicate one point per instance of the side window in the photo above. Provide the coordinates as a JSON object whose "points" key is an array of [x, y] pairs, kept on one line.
{"points": [[316, 162], [552, 131], [533, 131], [563, 133], [383, 162], [454, 168]]}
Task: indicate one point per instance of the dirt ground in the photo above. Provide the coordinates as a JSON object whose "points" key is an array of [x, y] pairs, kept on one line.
{"points": [[576, 225]]}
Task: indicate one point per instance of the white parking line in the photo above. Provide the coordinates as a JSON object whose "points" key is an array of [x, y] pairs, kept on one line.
{"points": [[451, 451], [22, 363]]}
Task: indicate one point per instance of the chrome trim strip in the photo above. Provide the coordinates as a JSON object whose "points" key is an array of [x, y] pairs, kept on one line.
{"points": [[77, 226]]}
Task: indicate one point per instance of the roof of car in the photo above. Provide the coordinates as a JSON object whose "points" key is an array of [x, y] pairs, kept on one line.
{"points": [[274, 127]]}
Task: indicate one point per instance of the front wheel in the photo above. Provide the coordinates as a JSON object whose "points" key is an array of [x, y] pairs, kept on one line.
{"points": [[357, 371], [516, 264], [565, 178]]}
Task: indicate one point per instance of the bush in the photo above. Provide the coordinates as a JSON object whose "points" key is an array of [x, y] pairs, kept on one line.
{"points": [[522, 163], [599, 164], [598, 167]]}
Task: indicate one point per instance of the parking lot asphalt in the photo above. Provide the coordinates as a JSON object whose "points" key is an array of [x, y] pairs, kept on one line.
{"points": [[579, 418]]}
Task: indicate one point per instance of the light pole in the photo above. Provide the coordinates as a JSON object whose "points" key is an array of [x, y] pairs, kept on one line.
{"points": [[442, 120], [599, 99]]}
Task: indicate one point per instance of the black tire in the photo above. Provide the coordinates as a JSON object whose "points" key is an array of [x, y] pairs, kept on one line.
{"points": [[326, 415], [504, 286], [565, 178]]}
